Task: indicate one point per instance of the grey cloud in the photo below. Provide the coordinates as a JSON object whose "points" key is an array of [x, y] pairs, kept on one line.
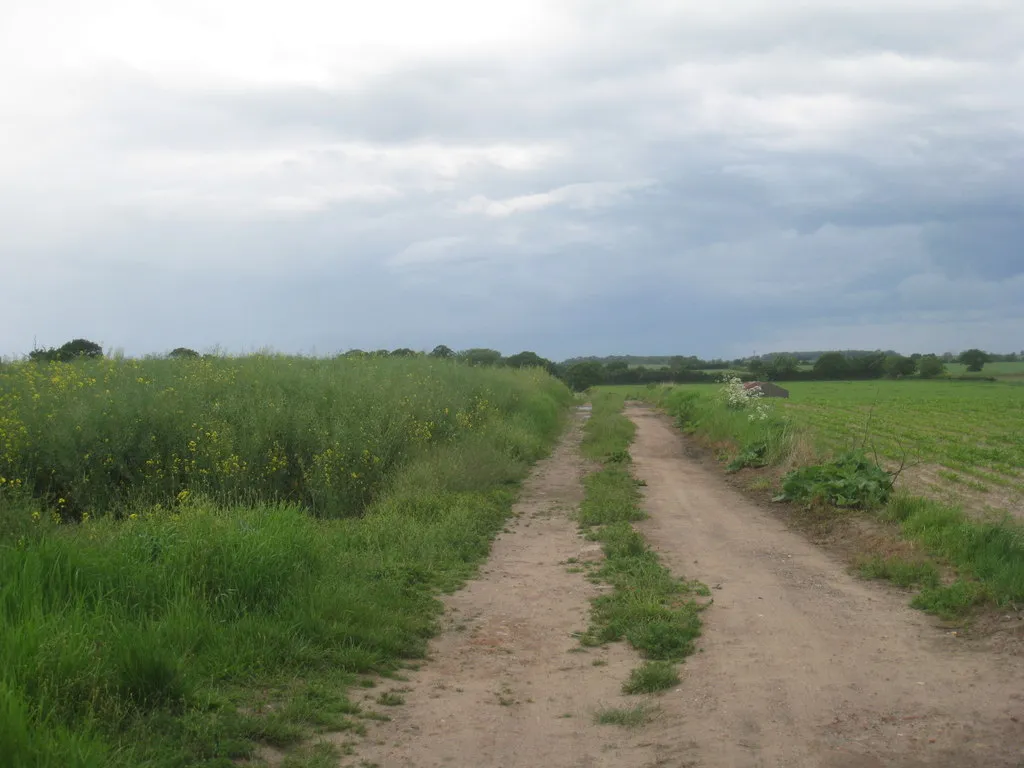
{"points": [[665, 182]]}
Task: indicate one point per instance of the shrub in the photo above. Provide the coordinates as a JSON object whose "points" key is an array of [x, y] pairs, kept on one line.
{"points": [[72, 350], [740, 397], [974, 359], [930, 366], [582, 376]]}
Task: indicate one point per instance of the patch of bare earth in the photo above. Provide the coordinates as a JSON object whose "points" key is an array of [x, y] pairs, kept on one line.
{"points": [[803, 665], [505, 684]]}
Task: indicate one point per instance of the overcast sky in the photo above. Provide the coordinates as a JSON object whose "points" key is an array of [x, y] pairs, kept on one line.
{"points": [[567, 176]]}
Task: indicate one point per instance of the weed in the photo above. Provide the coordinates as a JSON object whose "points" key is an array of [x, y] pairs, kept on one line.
{"points": [[627, 717], [505, 696], [651, 677], [750, 456], [390, 699], [851, 480]]}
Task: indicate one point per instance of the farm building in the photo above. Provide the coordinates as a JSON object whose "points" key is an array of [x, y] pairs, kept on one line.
{"points": [[767, 388]]}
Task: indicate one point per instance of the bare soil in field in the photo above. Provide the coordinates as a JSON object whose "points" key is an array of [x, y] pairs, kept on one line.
{"points": [[800, 663]]}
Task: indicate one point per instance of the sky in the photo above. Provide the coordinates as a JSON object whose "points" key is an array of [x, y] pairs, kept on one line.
{"points": [[571, 177]]}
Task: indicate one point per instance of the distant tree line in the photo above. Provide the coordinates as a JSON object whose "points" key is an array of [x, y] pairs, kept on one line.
{"points": [[65, 353], [580, 373]]}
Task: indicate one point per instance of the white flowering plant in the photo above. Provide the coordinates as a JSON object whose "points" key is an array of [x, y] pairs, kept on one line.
{"points": [[742, 398]]}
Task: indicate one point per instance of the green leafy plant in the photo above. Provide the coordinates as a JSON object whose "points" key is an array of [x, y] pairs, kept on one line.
{"points": [[755, 455], [851, 480]]}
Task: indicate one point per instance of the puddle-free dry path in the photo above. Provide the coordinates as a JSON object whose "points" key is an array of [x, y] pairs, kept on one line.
{"points": [[801, 665]]}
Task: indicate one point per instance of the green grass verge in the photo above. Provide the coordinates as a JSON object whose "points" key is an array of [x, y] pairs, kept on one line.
{"points": [[656, 612], [900, 571], [189, 635], [988, 555]]}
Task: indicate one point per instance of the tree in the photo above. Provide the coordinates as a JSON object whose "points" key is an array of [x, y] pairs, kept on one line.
{"points": [[832, 365], [582, 376], [974, 359], [403, 352], [782, 367], [930, 366], [183, 353], [480, 356], [617, 366], [868, 366], [442, 351], [68, 351], [898, 365], [528, 360]]}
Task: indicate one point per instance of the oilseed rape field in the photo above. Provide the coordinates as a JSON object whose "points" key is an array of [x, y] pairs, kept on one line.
{"points": [[199, 557]]}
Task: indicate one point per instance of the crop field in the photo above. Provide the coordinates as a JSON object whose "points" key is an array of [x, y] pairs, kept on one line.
{"points": [[951, 435], [199, 557], [956, 441]]}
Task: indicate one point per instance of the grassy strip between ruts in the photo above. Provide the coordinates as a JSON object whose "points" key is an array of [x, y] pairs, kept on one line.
{"points": [[656, 612], [193, 634], [987, 555]]}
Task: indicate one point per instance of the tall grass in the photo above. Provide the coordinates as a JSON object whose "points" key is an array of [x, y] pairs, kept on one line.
{"points": [[185, 634]]}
